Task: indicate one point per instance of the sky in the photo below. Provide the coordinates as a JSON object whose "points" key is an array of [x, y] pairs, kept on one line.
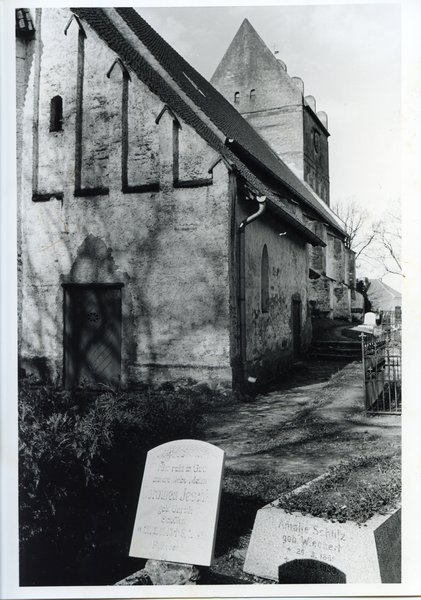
{"points": [[349, 57]]}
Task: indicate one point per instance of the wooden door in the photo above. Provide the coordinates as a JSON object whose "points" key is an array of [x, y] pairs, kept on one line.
{"points": [[92, 335]]}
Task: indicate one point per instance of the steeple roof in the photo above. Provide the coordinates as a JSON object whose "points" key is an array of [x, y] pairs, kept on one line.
{"points": [[249, 64], [246, 53]]}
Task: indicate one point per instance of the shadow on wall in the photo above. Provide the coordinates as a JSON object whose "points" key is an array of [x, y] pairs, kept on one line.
{"points": [[143, 274], [40, 309], [44, 307], [173, 292]]}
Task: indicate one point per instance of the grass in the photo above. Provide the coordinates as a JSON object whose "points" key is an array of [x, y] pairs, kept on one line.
{"points": [[81, 460], [365, 483], [260, 485], [352, 491], [85, 454]]}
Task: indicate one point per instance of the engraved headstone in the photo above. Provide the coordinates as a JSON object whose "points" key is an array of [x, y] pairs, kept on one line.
{"points": [[293, 548], [179, 502]]}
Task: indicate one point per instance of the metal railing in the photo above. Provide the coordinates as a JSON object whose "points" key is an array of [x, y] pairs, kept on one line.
{"points": [[382, 367]]}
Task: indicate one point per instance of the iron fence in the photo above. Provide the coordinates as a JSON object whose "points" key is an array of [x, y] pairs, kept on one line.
{"points": [[382, 367], [391, 324]]}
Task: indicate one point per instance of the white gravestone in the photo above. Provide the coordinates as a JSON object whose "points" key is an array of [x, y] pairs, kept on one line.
{"points": [[293, 548], [370, 319], [179, 501]]}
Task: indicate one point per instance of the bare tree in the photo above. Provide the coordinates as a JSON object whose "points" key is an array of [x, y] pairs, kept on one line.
{"points": [[356, 220], [376, 242], [388, 247]]}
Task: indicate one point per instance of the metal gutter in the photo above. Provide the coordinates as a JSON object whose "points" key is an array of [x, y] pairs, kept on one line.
{"points": [[242, 272]]}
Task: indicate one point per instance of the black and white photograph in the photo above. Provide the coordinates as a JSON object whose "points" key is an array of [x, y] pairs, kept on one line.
{"points": [[209, 241]]}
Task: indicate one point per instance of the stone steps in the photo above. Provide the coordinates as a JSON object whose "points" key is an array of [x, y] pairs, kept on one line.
{"points": [[336, 350]]}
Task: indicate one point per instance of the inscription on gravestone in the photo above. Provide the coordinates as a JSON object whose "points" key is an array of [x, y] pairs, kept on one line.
{"points": [[296, 548], [179, 501]]}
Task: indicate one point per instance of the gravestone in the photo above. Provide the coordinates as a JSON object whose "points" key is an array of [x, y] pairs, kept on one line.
{"points": [[293, 548], [370, 319], [369, 326], [179, 501]]}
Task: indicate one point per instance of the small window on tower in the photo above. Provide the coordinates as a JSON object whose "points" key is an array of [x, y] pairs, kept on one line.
{"points": [[56, 114], [253, 95], [237, 97], [316, 140]]}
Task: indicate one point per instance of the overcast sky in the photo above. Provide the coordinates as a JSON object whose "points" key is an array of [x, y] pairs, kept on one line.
{"points": [[349, 57]]}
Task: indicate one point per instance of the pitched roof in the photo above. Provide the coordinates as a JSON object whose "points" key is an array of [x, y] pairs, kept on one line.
{"points": [[248, 59], [382, 296], [387, 288], [250, 63], [247, 37], [226, 118]]}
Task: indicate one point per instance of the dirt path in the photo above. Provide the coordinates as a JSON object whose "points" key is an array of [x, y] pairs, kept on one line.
{"points": [[311, 422]]}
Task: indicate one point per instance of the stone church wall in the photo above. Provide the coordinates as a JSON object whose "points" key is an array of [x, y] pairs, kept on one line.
{"points": [[275, 104], [24, 57], [168, 246], [270, 339]]}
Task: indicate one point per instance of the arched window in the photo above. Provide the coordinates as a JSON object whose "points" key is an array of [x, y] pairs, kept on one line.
{"points": [[316, 140], [56, 114], [264, 280], [253, 95], [237, 97]]}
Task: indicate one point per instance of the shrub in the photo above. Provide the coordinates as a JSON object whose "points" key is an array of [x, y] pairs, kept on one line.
{"points": [[81, 459]]}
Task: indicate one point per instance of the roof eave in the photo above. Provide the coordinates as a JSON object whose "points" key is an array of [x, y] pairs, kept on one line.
{"points": [[307, 234], [234, 145]]}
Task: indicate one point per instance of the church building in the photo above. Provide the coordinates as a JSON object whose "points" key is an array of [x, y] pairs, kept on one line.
{"points": [[259, 86], [170, 228]]}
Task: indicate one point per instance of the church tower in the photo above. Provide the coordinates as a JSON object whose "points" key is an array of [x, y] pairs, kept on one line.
{"points": [[258, 85]]}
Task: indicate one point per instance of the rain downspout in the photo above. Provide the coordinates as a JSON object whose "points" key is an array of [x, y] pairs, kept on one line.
{"points": [[242, 260]]}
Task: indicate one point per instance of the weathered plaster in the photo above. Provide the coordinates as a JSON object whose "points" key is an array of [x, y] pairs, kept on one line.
{"points": [[169, 248], [269, 334], [126, 194]]}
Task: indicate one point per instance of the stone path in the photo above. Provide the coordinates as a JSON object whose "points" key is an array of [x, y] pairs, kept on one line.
{"points": [[305, 427]]}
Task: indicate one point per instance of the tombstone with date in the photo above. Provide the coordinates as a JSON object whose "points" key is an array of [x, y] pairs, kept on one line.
{"points": [[179, 501], [295, 548]]}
